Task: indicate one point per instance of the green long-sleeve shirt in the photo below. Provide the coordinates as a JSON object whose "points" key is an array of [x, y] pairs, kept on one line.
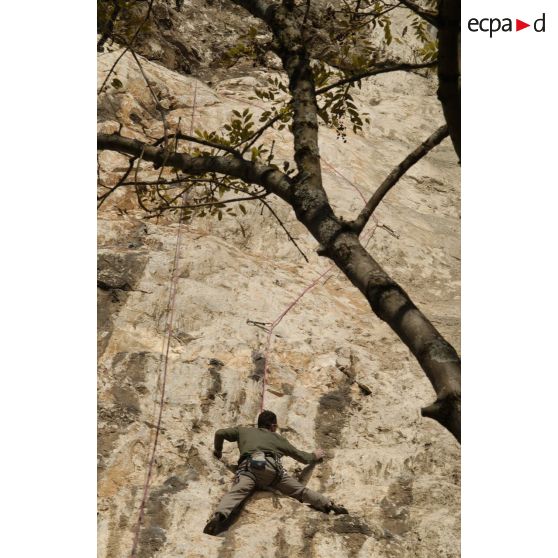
{"points": [[250, 439]]}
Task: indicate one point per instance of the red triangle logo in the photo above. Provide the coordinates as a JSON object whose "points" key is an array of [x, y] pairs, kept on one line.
{"points": [[519, 25]]}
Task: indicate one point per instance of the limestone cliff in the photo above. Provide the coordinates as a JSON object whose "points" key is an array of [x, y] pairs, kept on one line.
{"points": [[338, 379]]}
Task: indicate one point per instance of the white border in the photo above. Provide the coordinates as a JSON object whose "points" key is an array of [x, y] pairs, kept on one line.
{"points": [[509, 278], [47, 230], [48, 298]]}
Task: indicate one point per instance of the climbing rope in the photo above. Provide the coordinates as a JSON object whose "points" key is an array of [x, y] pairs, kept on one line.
{"points": [[280, 317], [165, 352], [277, 320]]}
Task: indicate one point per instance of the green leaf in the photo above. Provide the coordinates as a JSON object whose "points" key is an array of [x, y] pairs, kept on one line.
{"points": [[116, 83]]}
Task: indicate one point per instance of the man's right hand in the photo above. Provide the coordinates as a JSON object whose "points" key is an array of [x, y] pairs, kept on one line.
{"points": [[319, 453], [217, 454]]}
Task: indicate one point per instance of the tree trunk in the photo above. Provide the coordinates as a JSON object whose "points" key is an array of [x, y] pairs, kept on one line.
{"points": [[449, 87], [390, 302]]}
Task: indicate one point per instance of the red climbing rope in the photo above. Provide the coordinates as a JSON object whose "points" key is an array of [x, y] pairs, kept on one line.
{"points": [[165, 351], [277, 320]]}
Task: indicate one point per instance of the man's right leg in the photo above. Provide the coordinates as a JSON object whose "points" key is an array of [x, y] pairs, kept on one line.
{"points": [[291, 487], [242, 488]]}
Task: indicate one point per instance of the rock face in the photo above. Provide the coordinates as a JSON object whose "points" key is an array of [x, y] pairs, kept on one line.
{"points": [[338, 377]]}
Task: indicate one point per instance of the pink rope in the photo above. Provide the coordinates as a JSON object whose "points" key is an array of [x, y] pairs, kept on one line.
{"points": [[277, 321], [167, 342]]}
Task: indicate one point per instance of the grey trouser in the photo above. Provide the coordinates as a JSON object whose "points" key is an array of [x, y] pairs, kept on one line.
{"points": [[245, 483]]}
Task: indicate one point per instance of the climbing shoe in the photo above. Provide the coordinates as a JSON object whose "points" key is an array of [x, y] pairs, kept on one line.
{"points": [[215, 525], [336, 509]]}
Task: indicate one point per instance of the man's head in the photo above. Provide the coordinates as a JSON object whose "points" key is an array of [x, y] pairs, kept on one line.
{"points": [[268, 420]]}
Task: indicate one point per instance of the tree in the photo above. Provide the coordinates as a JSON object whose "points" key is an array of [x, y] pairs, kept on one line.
{"points": [[317, 87]]}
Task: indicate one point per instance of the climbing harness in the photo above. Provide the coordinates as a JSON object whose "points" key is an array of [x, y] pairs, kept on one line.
{"points": [[257, 461]]}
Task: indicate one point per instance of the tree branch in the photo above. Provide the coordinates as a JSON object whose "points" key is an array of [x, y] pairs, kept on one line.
{"points": [[161, 210], [267, 176], [446, 410], [129, 46], [369, 73], [393, 177], [392, 304], [166, 182], [207, 143], [109, 26], [285, 24], [375, 72], [245, 170], [285, 229], [428, 16], [253, 138], [356, 15], [258, 8], [103, 198]]}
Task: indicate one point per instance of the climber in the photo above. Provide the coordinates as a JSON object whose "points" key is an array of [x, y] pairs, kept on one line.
{"points": [[260, 467]]}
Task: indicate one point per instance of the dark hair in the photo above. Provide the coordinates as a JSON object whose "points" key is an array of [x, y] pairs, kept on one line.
{"points": [[267, 419]]}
